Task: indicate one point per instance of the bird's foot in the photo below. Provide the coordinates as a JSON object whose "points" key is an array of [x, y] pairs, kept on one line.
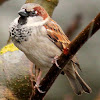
{"points": [[38, 88], [54, 61], [38, 79]]}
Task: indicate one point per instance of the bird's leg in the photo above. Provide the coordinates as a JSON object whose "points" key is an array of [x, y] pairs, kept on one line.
{"points": [[35, 78], [38, 79], [54, 61], [32, 75]]}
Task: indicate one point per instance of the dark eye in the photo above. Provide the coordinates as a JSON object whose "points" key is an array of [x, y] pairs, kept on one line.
{"points": [[33, 13]]}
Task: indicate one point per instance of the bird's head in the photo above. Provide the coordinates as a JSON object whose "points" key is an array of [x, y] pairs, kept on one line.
{"points": [[32, 14]]}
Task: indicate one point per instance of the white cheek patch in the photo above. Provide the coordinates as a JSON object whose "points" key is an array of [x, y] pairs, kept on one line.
{"points": [[36, 21], [32, 21]]}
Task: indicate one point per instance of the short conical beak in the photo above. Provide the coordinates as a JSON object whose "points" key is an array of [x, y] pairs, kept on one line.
{"points": [[23, 13]]}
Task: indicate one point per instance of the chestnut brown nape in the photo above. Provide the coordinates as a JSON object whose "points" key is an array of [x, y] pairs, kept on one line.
{"points": [[41, 12]]}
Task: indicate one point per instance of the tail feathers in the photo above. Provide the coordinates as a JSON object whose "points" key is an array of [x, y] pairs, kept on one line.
{"points": [[85, 87], [77, 88], [77, 83]]}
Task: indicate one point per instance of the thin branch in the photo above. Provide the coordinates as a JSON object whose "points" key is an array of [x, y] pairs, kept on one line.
{"points": [[73, 26], [73, 47], [2, 1]]}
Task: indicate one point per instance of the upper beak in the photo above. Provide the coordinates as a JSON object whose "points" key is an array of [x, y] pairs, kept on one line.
{"points": [[23, 13]]}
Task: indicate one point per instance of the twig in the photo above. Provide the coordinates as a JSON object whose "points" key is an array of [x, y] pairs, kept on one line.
{"points": [[73, 26], [73, 47], [2, 1]]}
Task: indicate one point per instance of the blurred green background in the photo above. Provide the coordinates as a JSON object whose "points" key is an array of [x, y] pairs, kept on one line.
{"points": [[88, 55]]}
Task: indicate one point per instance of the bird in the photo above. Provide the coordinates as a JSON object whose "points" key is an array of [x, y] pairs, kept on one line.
{"points": [[42, 40]]}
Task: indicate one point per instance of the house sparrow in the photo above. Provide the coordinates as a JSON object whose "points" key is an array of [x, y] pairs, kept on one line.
{"points": [[42, 40]]}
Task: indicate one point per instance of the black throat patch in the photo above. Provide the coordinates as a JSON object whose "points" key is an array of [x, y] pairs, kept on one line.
{"points": [[22, 20]]}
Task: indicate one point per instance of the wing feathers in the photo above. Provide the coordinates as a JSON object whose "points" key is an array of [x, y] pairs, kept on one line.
{"points": [[56, 35]]}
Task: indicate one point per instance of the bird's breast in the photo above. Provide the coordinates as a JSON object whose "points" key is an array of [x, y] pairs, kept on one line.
{"points": [[20, 34], [41, 50], [35, 43]]}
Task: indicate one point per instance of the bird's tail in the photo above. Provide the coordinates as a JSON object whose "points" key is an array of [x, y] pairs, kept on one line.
{"points": [[77, 83]]}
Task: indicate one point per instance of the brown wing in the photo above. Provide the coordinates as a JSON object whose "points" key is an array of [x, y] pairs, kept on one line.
{"points": [[56, 35]]}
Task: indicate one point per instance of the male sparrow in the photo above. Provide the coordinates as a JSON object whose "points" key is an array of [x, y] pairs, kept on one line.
{"points": [[42, 40]]}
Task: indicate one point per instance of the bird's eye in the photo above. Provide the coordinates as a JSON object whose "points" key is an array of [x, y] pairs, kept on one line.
{"points": [[33, 13]]}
